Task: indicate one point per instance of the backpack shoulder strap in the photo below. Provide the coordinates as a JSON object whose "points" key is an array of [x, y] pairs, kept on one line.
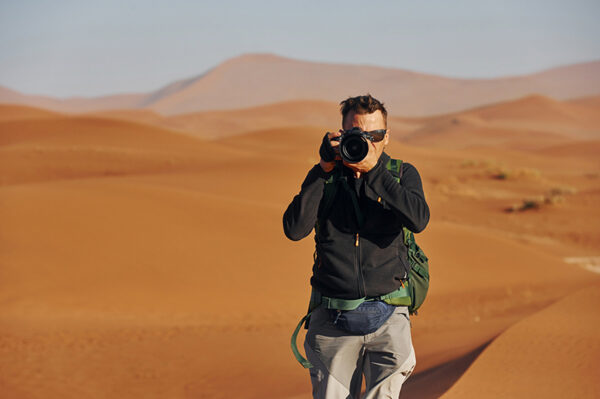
{"points": [[395, 166]]}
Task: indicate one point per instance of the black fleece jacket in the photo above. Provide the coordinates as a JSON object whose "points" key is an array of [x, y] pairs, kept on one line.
{"points": [[353, 261]]}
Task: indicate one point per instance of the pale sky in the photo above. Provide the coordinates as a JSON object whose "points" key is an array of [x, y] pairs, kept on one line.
{"points": [[80, 47]]}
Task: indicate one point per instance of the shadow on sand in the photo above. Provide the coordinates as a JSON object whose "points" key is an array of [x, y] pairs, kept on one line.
{"points": [[433, 383]]}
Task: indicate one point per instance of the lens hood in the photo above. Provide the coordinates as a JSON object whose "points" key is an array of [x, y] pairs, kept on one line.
{"points": [[354, 145]]}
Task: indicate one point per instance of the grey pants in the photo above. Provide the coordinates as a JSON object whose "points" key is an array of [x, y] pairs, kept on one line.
{"points": [[385, 357]]}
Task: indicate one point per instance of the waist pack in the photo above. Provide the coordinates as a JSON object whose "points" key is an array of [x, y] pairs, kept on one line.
{"points": [[365, 319]]}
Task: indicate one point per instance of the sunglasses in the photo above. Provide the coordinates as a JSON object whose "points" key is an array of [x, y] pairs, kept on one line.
{"points": [[374, 135]]}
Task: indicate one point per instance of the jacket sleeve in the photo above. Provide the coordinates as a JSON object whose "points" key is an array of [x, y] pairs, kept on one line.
{"points": [[301, 215], [406, 198]]}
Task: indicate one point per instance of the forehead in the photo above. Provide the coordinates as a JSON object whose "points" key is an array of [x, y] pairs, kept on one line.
{"points": [[367, 122]]}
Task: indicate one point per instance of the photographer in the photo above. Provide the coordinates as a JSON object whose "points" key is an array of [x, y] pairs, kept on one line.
{"points": [[358, 209]]}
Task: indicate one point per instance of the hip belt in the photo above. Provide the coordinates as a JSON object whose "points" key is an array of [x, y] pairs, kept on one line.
{"points": [[399, 297]]}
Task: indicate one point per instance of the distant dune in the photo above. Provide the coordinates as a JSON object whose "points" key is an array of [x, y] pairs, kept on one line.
{"points": [[19, 112], [525, 123], [218, 124], [73, 104], [259, 79], [36, 145]]}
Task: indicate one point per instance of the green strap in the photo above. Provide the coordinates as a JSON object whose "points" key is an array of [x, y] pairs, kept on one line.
{"points": [[341, 304], [395, 165], [305, 363], [400, 297]]}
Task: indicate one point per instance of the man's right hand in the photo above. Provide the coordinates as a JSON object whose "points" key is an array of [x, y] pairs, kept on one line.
{"points": [[329, 152]]}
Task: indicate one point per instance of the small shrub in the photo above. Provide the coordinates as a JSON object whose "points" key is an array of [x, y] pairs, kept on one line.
{"points": [[553, 197], [530, 204], [501, 175]]}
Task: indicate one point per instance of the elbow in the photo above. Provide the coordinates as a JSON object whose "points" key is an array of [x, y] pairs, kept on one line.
{"points": [[420, 227], [293, 233], [420, 223]]}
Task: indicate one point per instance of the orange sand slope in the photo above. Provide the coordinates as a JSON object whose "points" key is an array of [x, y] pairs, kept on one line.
{"points": [[218, 124], [39, 146], [138, 261], [526, 123], [553, 353]]}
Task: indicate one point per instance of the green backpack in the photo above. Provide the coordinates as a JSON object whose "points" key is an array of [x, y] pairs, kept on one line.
{"points": [[418, 277]]}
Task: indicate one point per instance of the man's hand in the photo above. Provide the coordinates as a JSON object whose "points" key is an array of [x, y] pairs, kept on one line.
{"points": [[329, 152]]}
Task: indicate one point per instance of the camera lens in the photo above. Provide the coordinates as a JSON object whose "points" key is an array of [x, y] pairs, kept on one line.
{"points": [[353, 147]]}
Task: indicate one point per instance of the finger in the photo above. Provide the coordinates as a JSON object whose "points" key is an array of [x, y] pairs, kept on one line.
{"points": [[331, 135]]}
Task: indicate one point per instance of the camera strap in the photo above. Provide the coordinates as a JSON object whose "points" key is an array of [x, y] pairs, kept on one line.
{"points": [[330, 191]]}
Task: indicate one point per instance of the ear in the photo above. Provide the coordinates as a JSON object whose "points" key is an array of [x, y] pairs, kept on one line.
{"points": [[386, 138]]}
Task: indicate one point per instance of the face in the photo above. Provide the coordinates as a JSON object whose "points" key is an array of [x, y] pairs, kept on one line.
{"points": [[367, 123]]}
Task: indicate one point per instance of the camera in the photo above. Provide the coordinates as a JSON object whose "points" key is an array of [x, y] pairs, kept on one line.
{"points": [[354, 143]]}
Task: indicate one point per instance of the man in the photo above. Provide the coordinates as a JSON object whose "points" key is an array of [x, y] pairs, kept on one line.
{"points": [[360, 253]]}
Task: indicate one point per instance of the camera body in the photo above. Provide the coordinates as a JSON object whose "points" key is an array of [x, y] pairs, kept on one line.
{"points": [[354, 144]]}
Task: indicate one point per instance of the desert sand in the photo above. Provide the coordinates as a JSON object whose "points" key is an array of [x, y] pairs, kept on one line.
{"points": [[141, 258]]}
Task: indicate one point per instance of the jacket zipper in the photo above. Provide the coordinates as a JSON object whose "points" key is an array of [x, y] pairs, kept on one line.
{"points": [[359, 275]]}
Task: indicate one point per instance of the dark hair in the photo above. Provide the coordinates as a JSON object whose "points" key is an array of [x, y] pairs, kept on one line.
{"points": [[362, 105]]}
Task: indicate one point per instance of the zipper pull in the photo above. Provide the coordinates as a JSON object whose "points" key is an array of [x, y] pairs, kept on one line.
{"points": [[356, 242]]}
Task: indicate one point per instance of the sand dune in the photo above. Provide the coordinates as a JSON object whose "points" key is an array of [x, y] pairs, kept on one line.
{"points": [[593, 101], [138, 261], [40, 146], [553, 353], [218, 124], [584, 149], [19, 112], [74, 104], [527, 123], [257, 79]]}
